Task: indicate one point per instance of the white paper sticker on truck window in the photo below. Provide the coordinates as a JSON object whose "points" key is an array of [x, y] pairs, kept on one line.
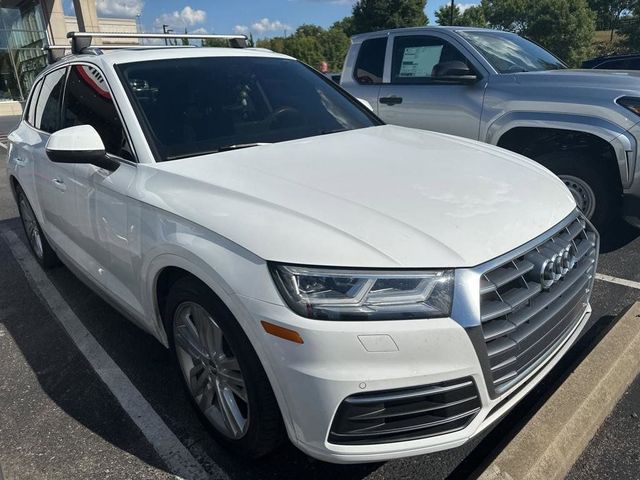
{"points": [[419, 61]]}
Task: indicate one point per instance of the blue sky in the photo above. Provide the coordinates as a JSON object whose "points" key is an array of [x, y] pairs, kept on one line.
{"points": [[263, 18]]}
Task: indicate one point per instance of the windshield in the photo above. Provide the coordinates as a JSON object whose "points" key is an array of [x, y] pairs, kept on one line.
{"points": [[511, 53], [193, 106]]}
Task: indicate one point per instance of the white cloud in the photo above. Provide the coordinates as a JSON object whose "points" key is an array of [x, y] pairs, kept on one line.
{"points": [[464, 6], [241, 29], [185, 18], [199, 31], [119, 8], [262, 26]]}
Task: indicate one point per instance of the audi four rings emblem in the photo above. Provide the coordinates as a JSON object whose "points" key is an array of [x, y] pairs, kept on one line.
{"points": [[550, 266]]}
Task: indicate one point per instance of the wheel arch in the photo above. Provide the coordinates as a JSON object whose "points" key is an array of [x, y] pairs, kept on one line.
{"points": [[518, 131]]}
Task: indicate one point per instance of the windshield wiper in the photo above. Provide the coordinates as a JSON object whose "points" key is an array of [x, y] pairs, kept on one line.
{"points": [[336, 130], [226, 148]]}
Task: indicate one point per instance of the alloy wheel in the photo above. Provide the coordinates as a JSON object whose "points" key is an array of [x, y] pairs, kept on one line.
{"points": [[582, 193], [31, 226], [211, 370]]}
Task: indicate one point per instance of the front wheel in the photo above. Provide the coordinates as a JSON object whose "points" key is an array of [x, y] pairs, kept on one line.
{"points": [[593, 187], [221, 371]]}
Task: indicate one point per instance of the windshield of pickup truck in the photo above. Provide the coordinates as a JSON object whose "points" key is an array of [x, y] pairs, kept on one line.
{"points": [[509, 53], [196, 106]]}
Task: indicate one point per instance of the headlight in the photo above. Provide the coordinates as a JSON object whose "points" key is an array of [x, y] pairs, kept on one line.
{"points": [[340, 294], [630, 103]]}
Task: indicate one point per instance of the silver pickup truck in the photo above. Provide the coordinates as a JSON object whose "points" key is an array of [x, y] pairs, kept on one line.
{"points": [[502, 89]]}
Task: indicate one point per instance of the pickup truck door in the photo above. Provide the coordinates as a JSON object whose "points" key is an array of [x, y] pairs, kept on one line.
{"points": [[412, 96]]}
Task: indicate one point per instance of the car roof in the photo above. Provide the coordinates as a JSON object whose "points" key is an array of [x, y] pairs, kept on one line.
{"points": [[106, 57], [380, 33]]}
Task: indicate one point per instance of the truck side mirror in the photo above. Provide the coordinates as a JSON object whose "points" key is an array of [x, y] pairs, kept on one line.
{"points": [[454, 71]]}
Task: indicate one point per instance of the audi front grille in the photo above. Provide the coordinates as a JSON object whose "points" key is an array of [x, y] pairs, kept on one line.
{"points": [[531, 303]]}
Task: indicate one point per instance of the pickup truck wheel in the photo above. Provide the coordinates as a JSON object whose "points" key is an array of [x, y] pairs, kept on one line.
{"points": [[38, 243], [221, 372], [593, 187]]}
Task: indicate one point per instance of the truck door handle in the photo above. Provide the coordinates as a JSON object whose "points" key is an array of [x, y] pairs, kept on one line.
{"points": [[392, 100], [59, 184]]}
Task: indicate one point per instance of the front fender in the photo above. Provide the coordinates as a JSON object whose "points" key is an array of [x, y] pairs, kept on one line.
{"points": [[623, 143]]}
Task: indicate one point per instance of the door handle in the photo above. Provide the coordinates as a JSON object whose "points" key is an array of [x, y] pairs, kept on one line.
{"points": [[392, 100], [19, 162], [59, 184]]}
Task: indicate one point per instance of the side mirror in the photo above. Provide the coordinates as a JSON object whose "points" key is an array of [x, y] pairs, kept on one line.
{"points": [[366, 104], [454, 71], [79, 144]]}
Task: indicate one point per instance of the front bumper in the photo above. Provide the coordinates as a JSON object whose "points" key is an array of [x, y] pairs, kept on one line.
{"points": [[339, 360], [506, 331]]}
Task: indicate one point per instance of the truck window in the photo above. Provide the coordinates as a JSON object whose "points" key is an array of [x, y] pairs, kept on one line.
{"points": [[370, 62], [416, 56]]}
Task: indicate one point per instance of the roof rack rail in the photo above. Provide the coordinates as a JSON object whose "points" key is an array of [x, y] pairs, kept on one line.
{"points": [[82, 40]]}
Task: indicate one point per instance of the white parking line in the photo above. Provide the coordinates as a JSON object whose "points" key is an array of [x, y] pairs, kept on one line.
{"points": [[175, 455], [619, 281], [4, 145]]}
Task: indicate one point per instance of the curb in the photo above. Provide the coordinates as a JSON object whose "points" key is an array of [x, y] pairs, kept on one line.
{"points": [[552, 440]]}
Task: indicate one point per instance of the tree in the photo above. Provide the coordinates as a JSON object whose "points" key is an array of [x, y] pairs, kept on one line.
{"points": [[565, 27], [630, 31], [312, 44], [473, 17], [372, 15], [608, 12], [443, 15]]}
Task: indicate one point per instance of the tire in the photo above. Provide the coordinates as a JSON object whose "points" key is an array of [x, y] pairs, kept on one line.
{"points": [[191, 307], [595, 188], [36, 239]]}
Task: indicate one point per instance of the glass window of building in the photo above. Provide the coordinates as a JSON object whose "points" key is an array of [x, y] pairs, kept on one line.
{"points": [[22, 36]]}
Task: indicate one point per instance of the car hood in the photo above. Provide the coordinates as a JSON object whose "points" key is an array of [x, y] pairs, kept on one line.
{"points": [[605, 79], [382, 197]]}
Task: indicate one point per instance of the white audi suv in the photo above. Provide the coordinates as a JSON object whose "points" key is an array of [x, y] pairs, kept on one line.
{"points": [[371, 291]]}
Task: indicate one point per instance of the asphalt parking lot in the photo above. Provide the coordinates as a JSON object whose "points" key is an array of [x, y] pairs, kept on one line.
{"points": [[60, 419]]}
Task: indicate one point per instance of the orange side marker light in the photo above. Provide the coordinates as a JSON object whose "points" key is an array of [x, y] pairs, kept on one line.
{"points": [[282, 332]]}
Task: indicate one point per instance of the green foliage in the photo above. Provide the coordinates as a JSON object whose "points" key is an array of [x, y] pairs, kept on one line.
{"points": [[443, 15], [471, 17], [630, 31], [608, 12], [312, 44], [565, 27], [372, 15]]}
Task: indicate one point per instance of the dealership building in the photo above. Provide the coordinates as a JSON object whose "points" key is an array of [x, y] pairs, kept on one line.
{"points": [[26, 26]]}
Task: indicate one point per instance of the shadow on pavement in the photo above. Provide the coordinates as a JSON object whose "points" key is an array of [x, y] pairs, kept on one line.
{"points": [[618, 235]]}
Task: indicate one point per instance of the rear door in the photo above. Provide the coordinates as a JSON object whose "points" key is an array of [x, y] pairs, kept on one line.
{"points": [[413, 96], [365, 76]]}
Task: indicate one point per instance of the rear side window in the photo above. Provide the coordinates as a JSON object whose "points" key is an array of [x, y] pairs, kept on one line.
{"points": [[615, 65], [47, 115], [87, 101], [370, 62], [31, 109]]}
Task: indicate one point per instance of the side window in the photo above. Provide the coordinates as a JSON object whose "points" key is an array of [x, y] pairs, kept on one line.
{"points": [[370, 62], [614, 65], [87, 101], [47, 115], [420, 59], [31, 109]]}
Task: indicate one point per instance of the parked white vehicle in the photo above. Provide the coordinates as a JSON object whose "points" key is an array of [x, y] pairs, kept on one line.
{"points": [[374, 291]]}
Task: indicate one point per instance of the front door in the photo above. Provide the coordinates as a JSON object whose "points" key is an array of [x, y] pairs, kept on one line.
{"points": [[413, 96]]}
